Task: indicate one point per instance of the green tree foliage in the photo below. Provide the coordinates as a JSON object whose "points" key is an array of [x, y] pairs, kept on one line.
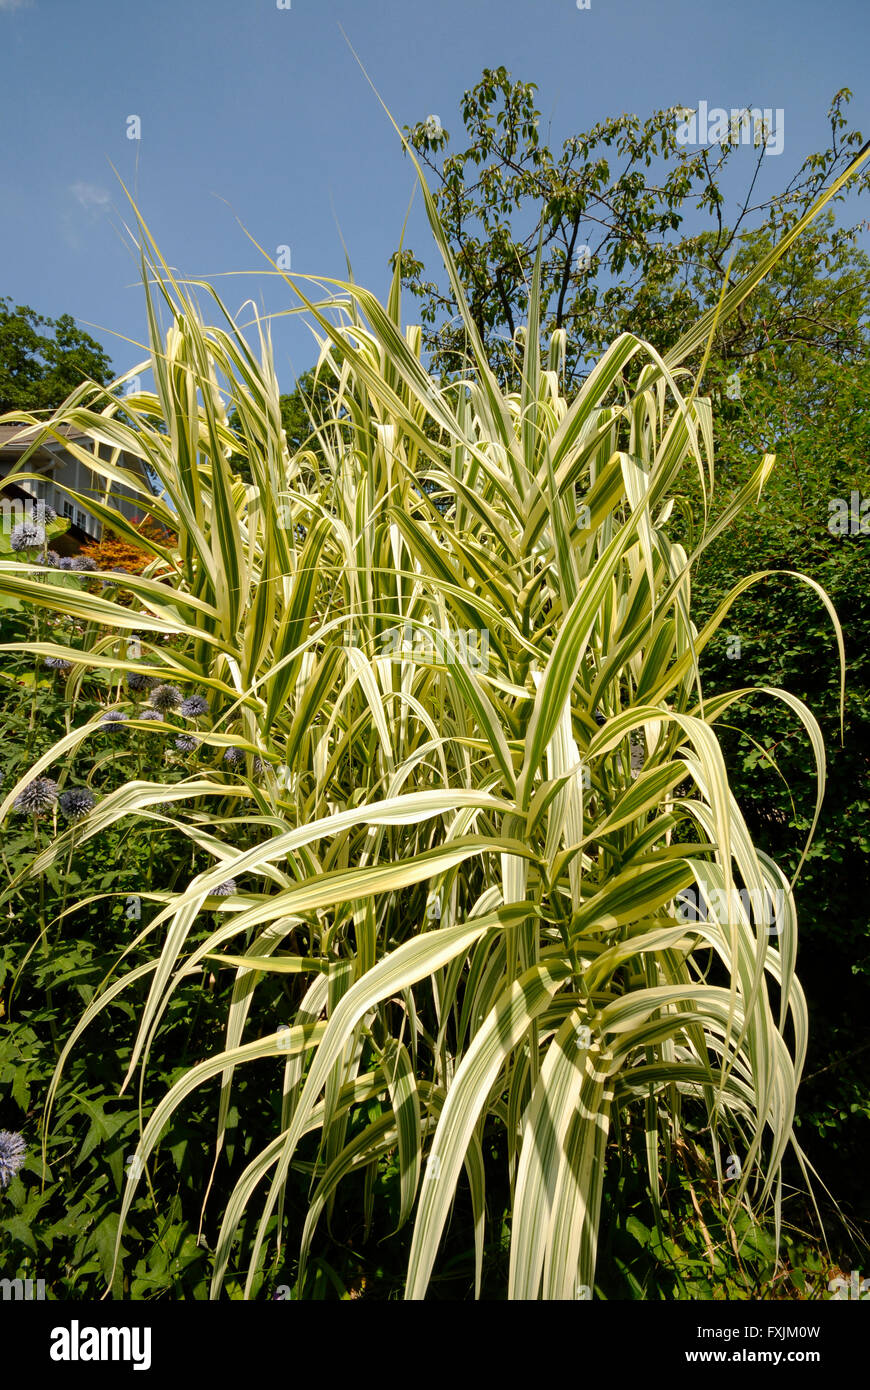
{"points": [[39, 369], [625, 190], [797, 340], [816, 411]]}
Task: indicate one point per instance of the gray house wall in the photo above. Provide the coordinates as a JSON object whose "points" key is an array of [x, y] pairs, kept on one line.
{"points": [[57, 465]]}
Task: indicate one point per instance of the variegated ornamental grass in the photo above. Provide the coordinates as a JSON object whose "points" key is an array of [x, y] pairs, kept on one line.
{"points": [[473, 894]]}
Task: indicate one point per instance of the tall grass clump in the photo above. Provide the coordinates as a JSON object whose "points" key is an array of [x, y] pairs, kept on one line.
{"points": [[452, 767]]}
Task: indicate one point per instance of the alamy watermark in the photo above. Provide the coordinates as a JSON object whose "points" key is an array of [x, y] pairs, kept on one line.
{"points": [[22, 1290], [853, 1287], [14, 511], [77, 1343], [748, 125], [850, 518], [470, 645], [763, 905]]}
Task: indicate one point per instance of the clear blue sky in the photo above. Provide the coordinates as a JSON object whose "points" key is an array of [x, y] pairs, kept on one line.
{"points": [[253, 112]]}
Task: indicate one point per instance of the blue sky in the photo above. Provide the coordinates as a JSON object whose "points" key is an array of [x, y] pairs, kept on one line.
{"points": [[262, 114]]}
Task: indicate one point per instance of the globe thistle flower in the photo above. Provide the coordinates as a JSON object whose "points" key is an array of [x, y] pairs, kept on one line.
{"points": [[113, 583], [12, 1151], [114, 716], [234, 757], [51, 558], [259, 766], [83, 562], [165, 697], [37, 797], [194, 706], [65, 562], [27, 536], [149, 714], [76, 803], [57, 663], [137, 681], [225, 889], [185, 743]]}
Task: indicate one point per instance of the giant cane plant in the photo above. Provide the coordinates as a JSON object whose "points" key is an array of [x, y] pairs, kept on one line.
{"points": [[466, 854]]}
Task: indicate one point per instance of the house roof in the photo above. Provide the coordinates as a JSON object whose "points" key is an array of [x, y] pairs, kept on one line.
{"points": [[50, 453], [18, 437]]}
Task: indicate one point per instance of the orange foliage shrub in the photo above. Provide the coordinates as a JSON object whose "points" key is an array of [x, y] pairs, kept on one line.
{"points": [[115, 552]]}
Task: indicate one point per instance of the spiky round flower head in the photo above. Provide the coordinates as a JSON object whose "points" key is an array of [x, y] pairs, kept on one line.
{"points": [[259, 766], [57, 663], [226, 889], [185, 743], [115, 716], [37, 797], [76, 802], [149, 714], [27, 535], [65, 562], [137, 681], [83, 562], [41, 514], [234, 757], [12, 1151], [52, 558], [165, 697], [194, 706]]}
